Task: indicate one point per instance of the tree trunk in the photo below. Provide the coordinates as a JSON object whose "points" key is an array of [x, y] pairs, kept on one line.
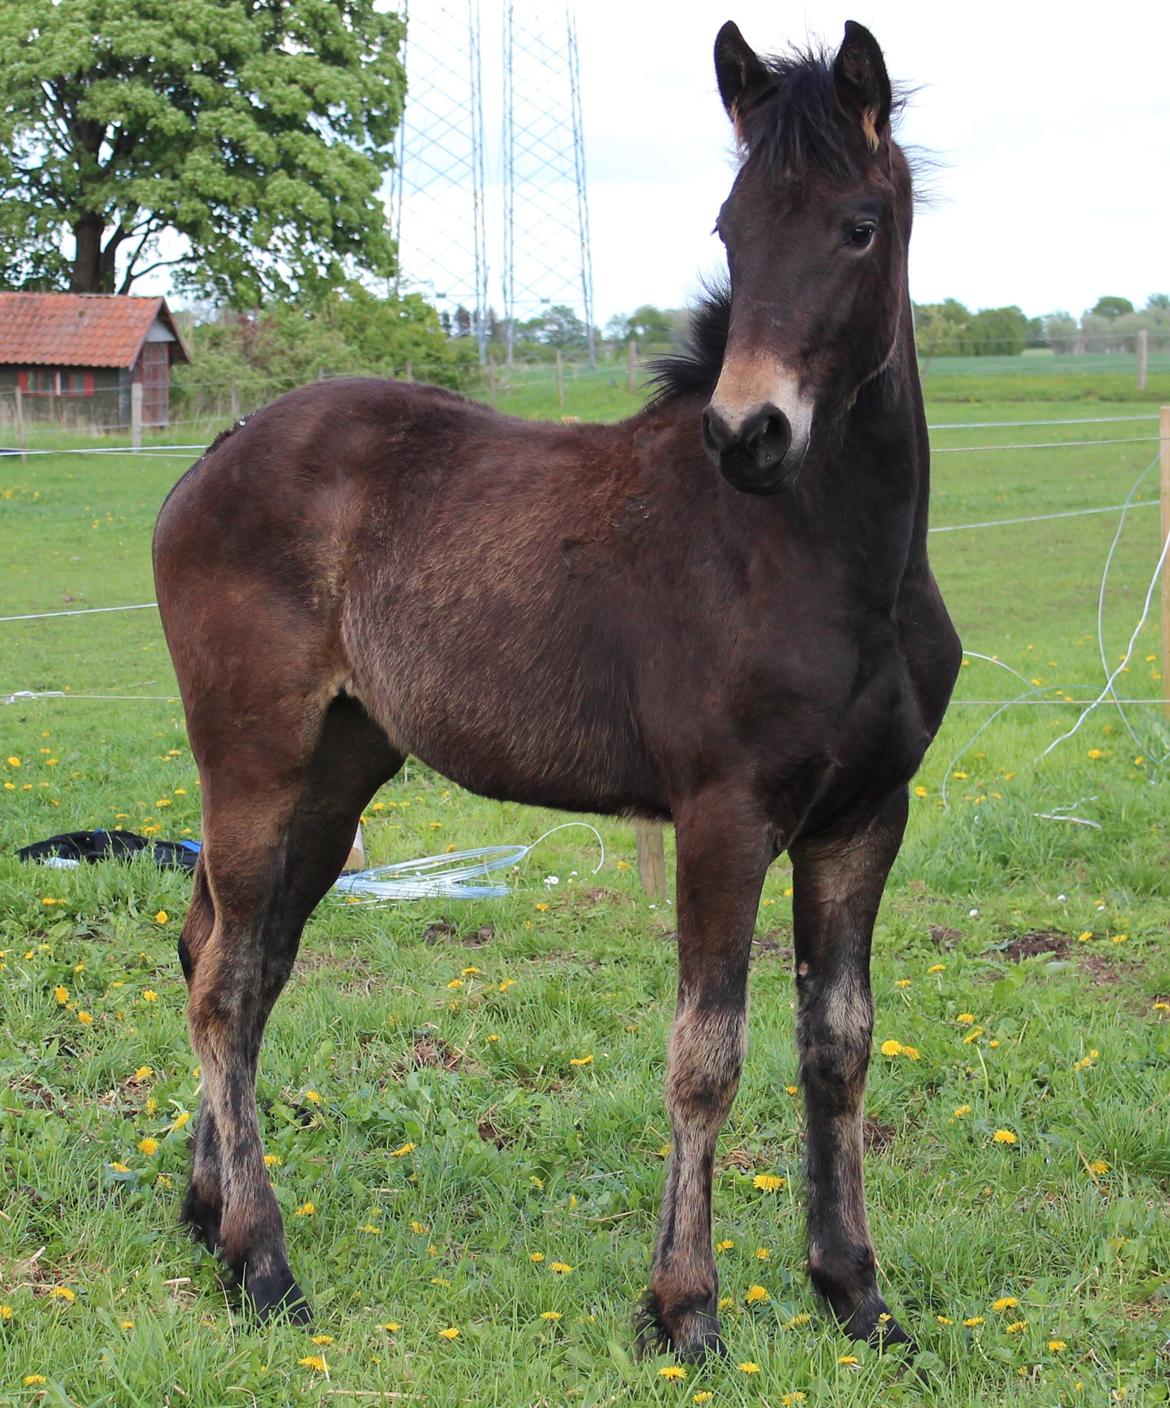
{"points": [[91, 273]]}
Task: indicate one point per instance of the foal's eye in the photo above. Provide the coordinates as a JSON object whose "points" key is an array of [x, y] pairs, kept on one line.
{"points": [[860, 236]]}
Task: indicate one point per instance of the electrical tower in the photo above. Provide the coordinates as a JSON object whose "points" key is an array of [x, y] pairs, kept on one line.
{"points": [[547, 259], [440, 211], [437, 206]]}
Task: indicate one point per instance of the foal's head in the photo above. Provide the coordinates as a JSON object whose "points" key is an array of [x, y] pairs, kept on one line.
{"points": [[816, 230]]}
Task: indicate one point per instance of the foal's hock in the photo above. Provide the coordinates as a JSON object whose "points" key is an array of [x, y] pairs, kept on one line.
{"points": [[718, 613]]}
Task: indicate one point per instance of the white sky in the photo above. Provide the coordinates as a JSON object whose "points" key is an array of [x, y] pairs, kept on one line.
{"points": [[1052, 124]]}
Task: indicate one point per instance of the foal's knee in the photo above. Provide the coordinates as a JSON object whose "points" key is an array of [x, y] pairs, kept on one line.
{"points": [[707, 1048]]}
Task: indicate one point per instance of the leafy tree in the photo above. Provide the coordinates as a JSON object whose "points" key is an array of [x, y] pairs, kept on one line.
{"points": [[1112, 307], [251, 134], [1158, 302], [559, 326], [998, 332]]}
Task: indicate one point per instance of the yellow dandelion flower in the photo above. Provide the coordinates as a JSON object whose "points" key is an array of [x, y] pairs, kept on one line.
{"points": [[1055, 1346], [148, 1146], [798, 1320], [322, 1339], [903, 983], [787, 1400], [937, 968], [748, 1367], [1005, 1136], [1161, 1007], [150, 995], [891, 1048], [1016, 1327], [420, 1229], [313, 1097], [63, 1293], [966, 1018], [1096, 753], [505, 983], [791, 1090], [1005, 1303], [762, 1254], [848, 1359], [755, 1294], [724, 1246], [306, 1210], [580, 1060], [1120, 938], [14, 762], [62, 995], [181, 1120], [768, 1182], [455, 984], [911, 1053], [542, 906], [561, 1268], [390, 1326], [161, 917], [143, 1073], [961, 1111], [85, 1018], [973, 1320], [550, 1314], [450, 1333], [663, 1151], [672, 1371], [1085, 936], [402, 1150], [272, 1161], [5, 1312], [537, 1257], [1098, 1167], [313, 1361], [704, 1395], [920, 791], [944, 1320], [973, 1035], [33, 1380]]}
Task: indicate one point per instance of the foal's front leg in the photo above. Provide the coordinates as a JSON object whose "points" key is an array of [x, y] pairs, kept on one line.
{"points": [[720, 873], [838, 882]]}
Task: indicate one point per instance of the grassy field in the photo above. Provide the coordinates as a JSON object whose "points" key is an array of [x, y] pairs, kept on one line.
{"points": [[458, 1099]]}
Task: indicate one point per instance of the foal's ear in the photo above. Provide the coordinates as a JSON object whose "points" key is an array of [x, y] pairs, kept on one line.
{"points": [[738, 71], [862, 84]]}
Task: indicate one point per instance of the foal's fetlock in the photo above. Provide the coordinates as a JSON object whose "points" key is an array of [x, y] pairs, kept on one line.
{"points": [[686, 1327], [862, 1312], [201, 1214]]}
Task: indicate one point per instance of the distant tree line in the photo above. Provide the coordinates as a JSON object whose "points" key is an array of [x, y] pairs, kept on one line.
{"points": [[950, 329]]}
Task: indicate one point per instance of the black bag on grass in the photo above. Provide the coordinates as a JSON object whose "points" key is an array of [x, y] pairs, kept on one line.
{"points": [[78, 846]]}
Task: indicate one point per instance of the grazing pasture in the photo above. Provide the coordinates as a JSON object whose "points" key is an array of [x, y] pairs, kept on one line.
{"points": [[462, 1102]]}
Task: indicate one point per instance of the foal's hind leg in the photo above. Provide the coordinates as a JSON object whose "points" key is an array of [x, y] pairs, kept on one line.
{"points": [[277, 830], [721, 867], [838, 882]]}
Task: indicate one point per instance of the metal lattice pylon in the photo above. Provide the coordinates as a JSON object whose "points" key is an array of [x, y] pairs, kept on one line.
{"points": [[437, 191], [547, 259]]}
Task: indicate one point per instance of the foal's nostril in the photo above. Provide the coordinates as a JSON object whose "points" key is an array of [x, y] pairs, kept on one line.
{"points": [[767, 436]]}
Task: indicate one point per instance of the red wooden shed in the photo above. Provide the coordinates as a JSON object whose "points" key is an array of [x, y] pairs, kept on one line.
{"points": [[75, 356]]}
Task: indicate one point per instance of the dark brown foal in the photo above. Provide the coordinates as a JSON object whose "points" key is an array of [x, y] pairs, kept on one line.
{"points": [[719, 612]]}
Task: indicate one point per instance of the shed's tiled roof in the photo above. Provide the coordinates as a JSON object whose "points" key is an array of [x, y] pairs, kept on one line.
{"points": [[79, 329]]}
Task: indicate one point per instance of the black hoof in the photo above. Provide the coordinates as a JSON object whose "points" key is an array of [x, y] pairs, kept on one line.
{"points": [[691, 1335], [201, 1218], [275, 1294], [872, 1322]]}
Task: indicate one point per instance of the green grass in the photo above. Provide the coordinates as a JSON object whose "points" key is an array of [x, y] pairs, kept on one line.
{"points": [[517, 1150]]}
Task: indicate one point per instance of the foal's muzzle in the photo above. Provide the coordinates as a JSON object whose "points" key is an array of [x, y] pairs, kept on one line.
{"points": [[754, 457]]}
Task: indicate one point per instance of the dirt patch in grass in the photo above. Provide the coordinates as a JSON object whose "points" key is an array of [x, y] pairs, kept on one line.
{"points": [[1101, 972], [942, 937], [428, 1051], [774, 941], [439, 933], [1034, 943], [491, 1133], [877, 1136]]}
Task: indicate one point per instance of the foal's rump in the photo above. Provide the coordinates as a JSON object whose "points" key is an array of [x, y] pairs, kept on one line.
{"points": [[417, 551]]}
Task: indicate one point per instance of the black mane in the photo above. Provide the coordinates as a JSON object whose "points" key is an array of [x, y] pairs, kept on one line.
{"points": [[695, 367]]}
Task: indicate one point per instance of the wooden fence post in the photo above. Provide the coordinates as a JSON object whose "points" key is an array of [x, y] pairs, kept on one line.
{"points": [[20, 424], [651, 859], [1164, 457], [1143, 358], [631, 365], [136, 414], [560, 381]]}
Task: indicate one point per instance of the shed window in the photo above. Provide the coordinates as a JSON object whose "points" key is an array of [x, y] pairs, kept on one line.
{"points": [[49, 381]]}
